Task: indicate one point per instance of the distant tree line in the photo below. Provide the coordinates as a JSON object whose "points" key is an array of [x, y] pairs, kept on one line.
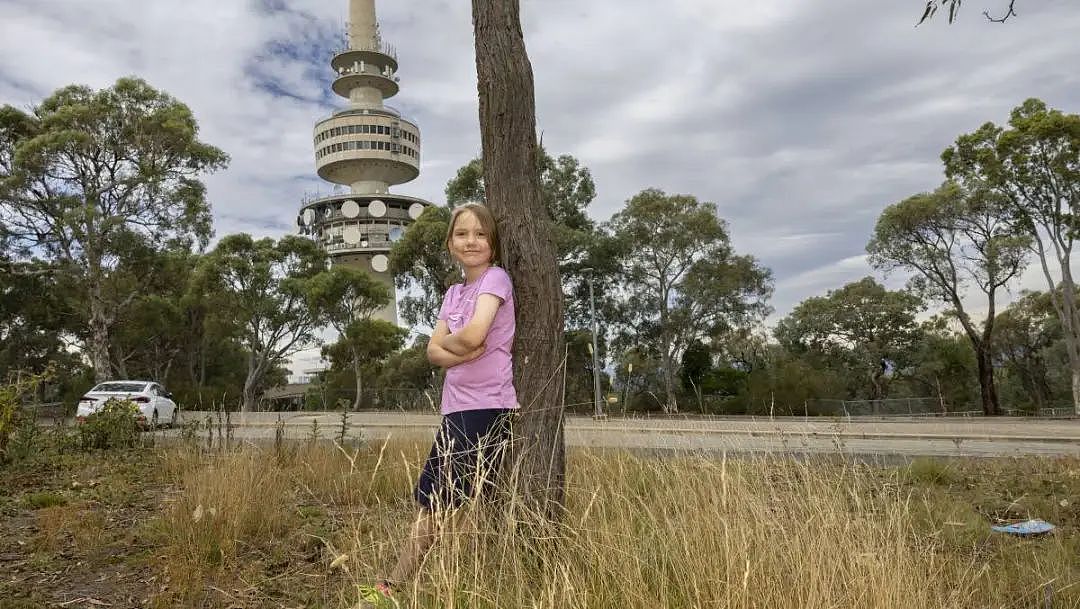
{"points": [[106, 271]]}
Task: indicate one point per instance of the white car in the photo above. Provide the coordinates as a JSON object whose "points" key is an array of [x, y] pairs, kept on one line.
{"points": [[155, 404]]}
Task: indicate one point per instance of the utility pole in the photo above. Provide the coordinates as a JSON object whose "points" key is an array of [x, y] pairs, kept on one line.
{"points": [[598, 408]]}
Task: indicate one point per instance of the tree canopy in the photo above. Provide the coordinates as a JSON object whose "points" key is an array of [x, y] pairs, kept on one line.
{"points": [[88, 178], [951, 239], [861, 326], [684, 282]]}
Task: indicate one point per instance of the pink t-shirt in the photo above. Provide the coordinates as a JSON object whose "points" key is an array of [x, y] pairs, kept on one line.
{"points": [[487, 381]]}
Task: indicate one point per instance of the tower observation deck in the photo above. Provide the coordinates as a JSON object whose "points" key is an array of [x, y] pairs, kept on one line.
{"points": [[368, 147]]}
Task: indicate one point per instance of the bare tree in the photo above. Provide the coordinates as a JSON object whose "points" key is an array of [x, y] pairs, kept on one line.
{"points": [[512, 181]]}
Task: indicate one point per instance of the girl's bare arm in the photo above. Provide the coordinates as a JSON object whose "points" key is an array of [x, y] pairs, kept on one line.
{"points": [[438, 355]]}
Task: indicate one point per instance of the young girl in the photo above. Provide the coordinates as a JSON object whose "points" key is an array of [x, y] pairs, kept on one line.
{"points": [[472, 341]]}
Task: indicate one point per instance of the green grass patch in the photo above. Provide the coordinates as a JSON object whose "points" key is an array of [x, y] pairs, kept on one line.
{"points": [[37, 501]]}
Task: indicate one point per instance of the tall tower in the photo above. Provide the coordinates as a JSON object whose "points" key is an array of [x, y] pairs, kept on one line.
{"points": [[368, 146]]}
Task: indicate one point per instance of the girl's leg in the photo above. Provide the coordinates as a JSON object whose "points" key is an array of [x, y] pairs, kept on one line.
{"points": [[462, 450], [421, 538]]}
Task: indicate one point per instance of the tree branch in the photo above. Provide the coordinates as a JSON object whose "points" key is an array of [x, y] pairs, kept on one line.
{"points": [[1008, 13]]}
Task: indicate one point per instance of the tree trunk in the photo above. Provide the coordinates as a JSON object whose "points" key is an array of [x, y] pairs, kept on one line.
{"points": [[671, 404], [99, 337], [512, 182], [359, 382], [250, 400], [1072, 343], [877, 384], [1076, 390], [981, 343], [1070, 318], [1072, 346], [119, 363], [1064, 304], [987, 390]]}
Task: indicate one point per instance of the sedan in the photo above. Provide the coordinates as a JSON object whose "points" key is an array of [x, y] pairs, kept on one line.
{"points": [[155, 404]]}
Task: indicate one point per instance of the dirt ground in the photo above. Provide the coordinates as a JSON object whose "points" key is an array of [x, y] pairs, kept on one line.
{"points": [[70, 532]]}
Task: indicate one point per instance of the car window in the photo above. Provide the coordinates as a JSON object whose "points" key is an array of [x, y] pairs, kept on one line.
{"points": [[120, 387]]}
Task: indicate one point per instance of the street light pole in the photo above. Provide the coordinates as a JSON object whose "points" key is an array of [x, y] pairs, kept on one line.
{"points": [[598, 409]]}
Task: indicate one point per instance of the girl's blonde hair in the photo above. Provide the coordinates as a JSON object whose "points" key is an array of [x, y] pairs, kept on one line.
{"points": [[487, 222]]}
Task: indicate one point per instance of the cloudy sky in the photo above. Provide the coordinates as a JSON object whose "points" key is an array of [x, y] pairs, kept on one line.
{"points": [[801, 120]]}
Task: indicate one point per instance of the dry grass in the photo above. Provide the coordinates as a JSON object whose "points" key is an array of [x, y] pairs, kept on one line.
{"points": [[693, 532], [80, 525], [640, 533]]}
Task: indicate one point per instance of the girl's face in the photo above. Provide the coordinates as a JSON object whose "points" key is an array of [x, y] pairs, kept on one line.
{"points": [[469, 243]]}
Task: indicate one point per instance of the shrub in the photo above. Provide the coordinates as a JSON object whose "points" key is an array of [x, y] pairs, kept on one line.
{"points": [[116, 425], [26, 438], [9, 418], [11, 411]]}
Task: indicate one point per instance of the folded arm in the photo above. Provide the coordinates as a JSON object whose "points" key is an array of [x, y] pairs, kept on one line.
{"points": [[474, 334], [443, 358]]}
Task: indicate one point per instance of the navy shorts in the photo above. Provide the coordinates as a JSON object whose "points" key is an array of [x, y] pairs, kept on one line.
{"points": [[467, 452]]}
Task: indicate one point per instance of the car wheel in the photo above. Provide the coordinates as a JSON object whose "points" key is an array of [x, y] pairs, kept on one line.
{"points": [[175, 416], [154, 421]]}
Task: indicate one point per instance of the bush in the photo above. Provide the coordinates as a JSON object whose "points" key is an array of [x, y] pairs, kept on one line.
{"points": [[26, 438], [116, 425], [11, 411], [9, 418]]}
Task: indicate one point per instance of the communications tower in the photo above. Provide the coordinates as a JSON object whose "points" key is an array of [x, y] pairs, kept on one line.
{"points": [[368, 147]]}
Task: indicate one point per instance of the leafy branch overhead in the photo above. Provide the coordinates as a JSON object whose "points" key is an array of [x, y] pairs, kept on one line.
{"points": [[953, 8]]}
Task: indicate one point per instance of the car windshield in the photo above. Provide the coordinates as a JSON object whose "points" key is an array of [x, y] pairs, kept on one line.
{"points": [[120, 387]]}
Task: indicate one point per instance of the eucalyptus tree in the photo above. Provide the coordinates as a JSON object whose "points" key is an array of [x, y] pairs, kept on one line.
{"points": [[682, 279], [85, 174], [951, 240], [348, 297], [1033, 165], [266, 286], [861, 329]]}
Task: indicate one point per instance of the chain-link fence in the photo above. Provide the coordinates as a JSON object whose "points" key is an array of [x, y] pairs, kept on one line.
{"points": [[916, 407], [407, 399]]}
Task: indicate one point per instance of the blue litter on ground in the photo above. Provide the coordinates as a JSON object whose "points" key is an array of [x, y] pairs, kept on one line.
{"points": [[1026, 528]]}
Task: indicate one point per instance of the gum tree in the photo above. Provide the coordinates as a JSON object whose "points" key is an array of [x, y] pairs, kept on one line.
{"points": [[857, 328], [348, 297], [512, 191], [1033, 165], [952, 240], [85, 174], [266, 286], [683, 280]]}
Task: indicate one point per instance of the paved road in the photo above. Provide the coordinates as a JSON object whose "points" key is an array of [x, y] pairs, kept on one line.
{"points": [[862, 436]]}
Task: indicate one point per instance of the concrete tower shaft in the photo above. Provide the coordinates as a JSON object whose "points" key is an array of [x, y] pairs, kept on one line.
{"points": [[363, 28]]}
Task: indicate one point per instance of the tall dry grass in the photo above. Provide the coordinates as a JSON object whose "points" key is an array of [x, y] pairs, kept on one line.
{"points": [[679, 531], [693, 532], [231, 503]]}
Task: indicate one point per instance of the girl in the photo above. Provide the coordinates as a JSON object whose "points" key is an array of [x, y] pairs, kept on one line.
{"points": [[472, 342]]}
